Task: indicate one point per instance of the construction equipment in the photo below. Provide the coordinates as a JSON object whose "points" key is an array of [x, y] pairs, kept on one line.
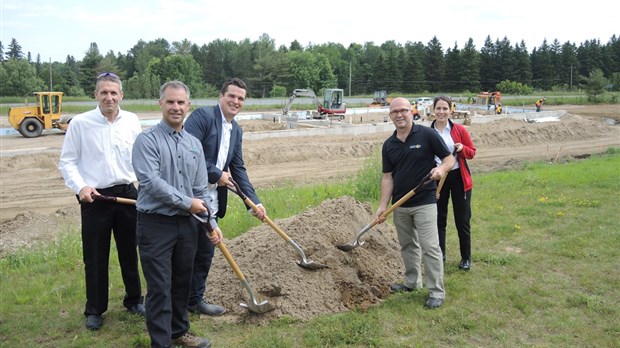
{"points": [[381, 99], [356, 240], [30, 121], [489, 98], [333, 105], [304, 262]]}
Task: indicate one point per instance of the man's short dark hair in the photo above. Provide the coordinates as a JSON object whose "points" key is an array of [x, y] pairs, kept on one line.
{"points": [[235, 81]]}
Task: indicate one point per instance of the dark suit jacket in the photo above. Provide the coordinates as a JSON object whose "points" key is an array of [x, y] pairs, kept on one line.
{"points": [[205, 124]]}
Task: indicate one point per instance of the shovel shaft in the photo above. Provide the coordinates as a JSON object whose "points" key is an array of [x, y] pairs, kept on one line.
{"points": [[113, 199], [127, 201], [231, 261], [275, 227]]}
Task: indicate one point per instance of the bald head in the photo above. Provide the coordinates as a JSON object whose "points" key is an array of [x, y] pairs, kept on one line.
{"points": [[400, 103]]}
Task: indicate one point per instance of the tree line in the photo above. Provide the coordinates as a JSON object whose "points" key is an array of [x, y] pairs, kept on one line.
{"points": [[271, 71]]}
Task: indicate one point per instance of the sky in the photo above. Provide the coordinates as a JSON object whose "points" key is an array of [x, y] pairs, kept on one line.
{"points": [[55, 29]]}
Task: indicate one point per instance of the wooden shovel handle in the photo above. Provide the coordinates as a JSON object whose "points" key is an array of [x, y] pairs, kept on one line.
{"points": [[113, 199]]}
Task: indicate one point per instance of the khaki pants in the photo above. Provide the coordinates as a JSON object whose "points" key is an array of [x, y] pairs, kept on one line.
{"points": [[417, 234]]}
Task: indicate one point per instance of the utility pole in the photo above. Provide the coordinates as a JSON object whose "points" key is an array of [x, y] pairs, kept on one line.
{"points": [[50, 74], [571, 77], [349, 78]]}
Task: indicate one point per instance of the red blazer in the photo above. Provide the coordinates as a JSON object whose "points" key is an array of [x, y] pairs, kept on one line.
{"points": [[460, 135]]}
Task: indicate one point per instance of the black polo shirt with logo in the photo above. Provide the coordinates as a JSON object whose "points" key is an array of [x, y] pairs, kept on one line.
{"points": [[409, 162]]}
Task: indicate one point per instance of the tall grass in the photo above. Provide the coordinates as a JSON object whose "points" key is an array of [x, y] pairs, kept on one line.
{"points": [[545, 242]]}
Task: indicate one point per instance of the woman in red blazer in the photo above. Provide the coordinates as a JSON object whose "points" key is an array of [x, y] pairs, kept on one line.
{"points": [[458, 183]]}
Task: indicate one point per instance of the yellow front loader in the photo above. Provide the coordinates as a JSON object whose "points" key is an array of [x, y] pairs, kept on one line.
{"points": [[30, 121]]}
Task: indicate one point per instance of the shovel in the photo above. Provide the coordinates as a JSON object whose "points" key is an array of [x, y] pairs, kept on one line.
{"points": [[254, 306], [356, 240], [113, 199], [304, 262]]}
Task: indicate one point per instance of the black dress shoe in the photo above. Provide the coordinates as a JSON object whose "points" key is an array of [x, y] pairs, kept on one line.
{"points": [[210, 309], [94, 322], [434, 302], [465, 264], [400, 288], [137, 310]]}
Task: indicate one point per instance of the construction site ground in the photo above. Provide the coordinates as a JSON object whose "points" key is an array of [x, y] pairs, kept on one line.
{"points": [[36, 207]]}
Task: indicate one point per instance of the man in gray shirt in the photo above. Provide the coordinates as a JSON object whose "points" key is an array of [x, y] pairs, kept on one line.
{"points": [[170, 166]]}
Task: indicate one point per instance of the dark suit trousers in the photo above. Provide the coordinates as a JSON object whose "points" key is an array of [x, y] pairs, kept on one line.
{"points": [[99, 221], [167, 247], [202, 265], [461, 208]]}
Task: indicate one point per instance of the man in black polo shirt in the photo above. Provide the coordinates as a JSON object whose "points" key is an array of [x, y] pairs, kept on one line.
{"points": [[408, 156]]}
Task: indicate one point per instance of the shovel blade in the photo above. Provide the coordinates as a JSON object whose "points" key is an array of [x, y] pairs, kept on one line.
{"points": [[258, 308], [311, 265], [350, 246]]}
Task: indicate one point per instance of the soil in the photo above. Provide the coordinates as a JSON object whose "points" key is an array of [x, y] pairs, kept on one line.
{"points": [[36, 207]]}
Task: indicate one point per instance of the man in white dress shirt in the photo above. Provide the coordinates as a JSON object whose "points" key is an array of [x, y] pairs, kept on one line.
{"points": [[96, 160]]}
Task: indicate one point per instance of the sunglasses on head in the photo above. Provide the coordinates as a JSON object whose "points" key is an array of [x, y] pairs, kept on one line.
{"points": [[104, 74]]}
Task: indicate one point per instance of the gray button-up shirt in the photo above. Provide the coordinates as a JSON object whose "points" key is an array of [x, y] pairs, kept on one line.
{"points": [[171, 170]]}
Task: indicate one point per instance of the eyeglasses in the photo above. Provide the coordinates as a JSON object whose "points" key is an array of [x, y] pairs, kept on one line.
{"points": [[104, 74], [399, 111]]}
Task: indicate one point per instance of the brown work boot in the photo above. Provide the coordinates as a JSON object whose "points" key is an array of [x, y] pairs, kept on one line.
{"points": [[190, 340]]}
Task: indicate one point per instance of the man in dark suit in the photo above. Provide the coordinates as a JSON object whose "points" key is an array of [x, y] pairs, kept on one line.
{"points": [[221, 138]]}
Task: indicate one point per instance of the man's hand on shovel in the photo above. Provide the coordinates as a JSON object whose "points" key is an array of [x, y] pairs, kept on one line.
{"points": [[260, 212], [87, 194]]}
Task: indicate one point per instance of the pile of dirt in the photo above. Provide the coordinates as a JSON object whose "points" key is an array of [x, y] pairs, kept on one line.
{"points": [[510, 132], [36, 229], [355, 279]]}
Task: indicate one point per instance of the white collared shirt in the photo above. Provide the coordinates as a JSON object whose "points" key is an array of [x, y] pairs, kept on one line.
{"points": [[222, 155], [97, 153], [447, 138]]}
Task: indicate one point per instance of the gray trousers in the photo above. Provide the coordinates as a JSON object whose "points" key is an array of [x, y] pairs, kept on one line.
{"points": [[417, 234]]}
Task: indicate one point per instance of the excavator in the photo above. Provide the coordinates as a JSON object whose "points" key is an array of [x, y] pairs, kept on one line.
{"points": [[333, 105]]}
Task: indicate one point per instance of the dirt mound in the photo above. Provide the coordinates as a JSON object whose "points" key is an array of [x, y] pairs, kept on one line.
{"points": [[270, 151], [510, 132], [37, 229], [357, 279]]}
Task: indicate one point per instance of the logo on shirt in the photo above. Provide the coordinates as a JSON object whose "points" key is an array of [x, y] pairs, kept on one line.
{"points": [[416, 146]]}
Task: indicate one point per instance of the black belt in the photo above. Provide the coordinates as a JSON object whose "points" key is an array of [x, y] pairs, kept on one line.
{"points": [[116, 189]]}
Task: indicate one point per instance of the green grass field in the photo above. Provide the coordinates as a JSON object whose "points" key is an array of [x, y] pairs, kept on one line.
{"points": [[545, 242]]}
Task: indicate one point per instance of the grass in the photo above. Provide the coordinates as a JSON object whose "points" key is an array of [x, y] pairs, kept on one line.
{"points": [[544, 274]]}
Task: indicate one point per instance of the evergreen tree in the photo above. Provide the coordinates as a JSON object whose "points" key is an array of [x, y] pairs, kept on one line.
{"points": [[434, 65], [89, 69], [470, 68], [452, 72], [14, 50]]}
